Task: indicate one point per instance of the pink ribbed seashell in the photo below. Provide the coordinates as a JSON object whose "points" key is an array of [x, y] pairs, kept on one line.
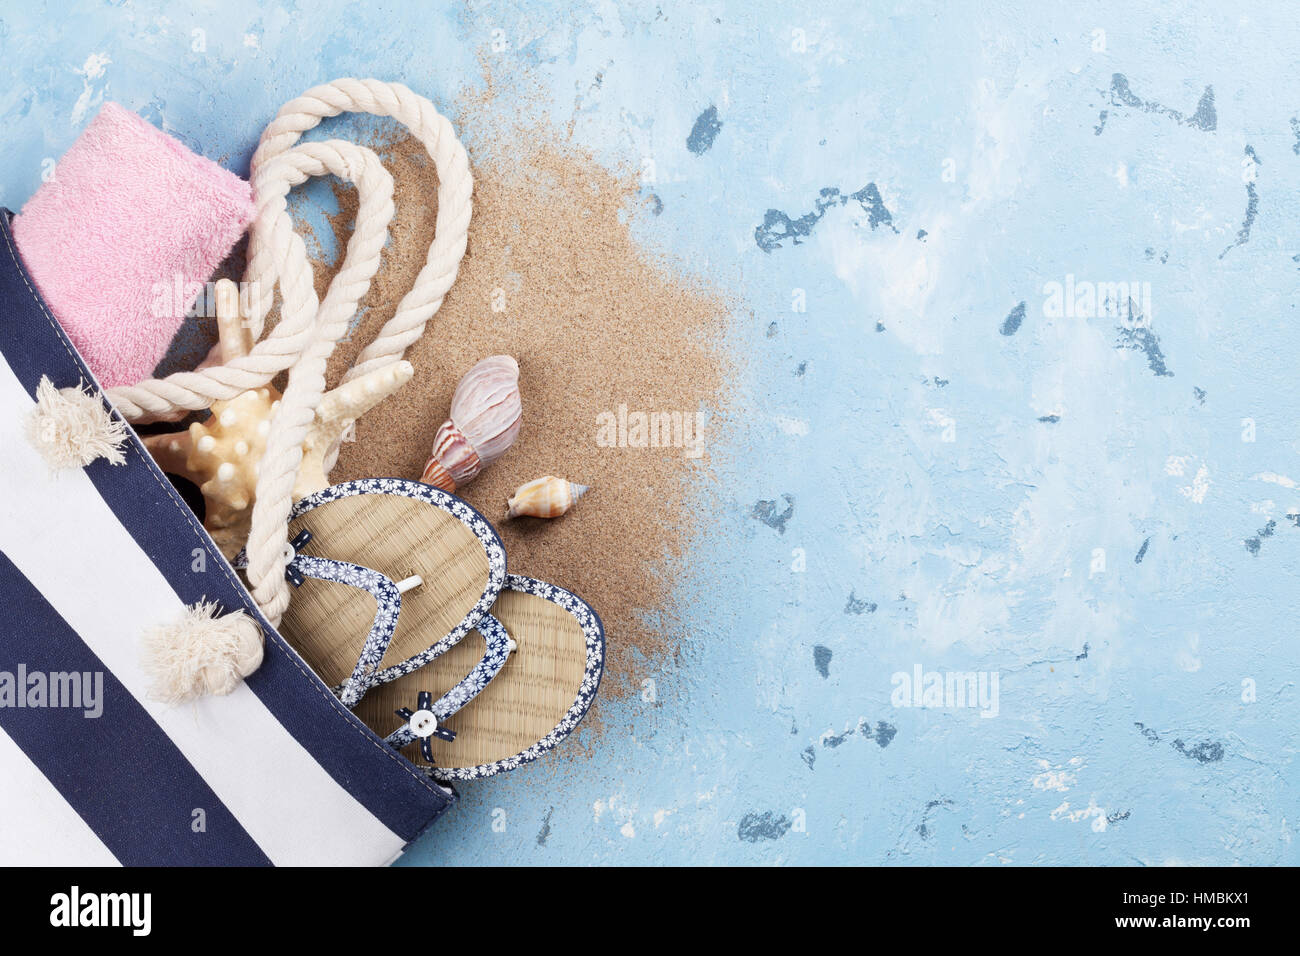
{"points": [[485, 413]]}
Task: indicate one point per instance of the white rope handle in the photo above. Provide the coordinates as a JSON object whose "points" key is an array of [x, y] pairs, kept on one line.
{"points": [[308, 330], [283, 455], [455, 191], [190, 391]]}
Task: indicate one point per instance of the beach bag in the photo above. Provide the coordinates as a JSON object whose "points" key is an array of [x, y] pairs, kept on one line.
{"points": [[271, 769], [155, 713], [277, 771]]}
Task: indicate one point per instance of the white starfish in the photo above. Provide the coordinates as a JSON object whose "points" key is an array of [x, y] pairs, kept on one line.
{"points": [[222, 454]]}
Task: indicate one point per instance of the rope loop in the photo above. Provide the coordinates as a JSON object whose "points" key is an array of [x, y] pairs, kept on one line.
{"points": [[308, 329]]}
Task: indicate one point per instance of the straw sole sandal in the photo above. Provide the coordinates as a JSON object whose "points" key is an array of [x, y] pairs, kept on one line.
{"points": [[535, 699], [410, 566]]}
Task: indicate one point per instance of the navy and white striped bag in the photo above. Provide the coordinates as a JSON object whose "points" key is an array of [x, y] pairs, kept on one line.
{"points": [[277, 772]]}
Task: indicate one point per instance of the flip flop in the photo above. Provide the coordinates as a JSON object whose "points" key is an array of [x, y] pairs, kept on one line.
{"points": [[429, 719], [528, 705], [409, 566]]}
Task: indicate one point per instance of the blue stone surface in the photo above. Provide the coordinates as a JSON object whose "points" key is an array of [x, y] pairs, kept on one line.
{"points": [[1020, 395]]}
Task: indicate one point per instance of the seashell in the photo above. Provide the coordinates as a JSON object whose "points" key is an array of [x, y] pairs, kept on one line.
{"points": [[222, 454], [547, 497], [484, 422]]}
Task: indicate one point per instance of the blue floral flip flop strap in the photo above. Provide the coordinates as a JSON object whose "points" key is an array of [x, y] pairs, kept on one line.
{"points": [[388, 606], [560, 648], [404, 531], [425, 722]]}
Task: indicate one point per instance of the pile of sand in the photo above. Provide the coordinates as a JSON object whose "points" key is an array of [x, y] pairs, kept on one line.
{"points": [[553, 277]]}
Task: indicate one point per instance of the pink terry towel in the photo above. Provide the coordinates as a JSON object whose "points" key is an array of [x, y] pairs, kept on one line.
{"points": [[123, 238]]}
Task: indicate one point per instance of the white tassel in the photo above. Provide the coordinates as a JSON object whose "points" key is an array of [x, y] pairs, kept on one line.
{"points": [[201, 653], [71, 428]]}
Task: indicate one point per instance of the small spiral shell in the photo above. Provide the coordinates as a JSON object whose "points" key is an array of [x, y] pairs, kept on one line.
{"points": [[547, 497]]}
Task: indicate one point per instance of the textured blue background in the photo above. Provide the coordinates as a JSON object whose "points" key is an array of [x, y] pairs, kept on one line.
{"points": [[1097, 531]]}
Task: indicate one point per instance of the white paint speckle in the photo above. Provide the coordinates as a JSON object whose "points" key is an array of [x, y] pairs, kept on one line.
{"points": [[1091, 811], [1177, 465], [1200, 485], [791, 426], [1054, 778], [92, 94], [1276, 479]]}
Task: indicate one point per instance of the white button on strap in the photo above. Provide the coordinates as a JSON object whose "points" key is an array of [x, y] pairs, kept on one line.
{"points": [[423, 723]]}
